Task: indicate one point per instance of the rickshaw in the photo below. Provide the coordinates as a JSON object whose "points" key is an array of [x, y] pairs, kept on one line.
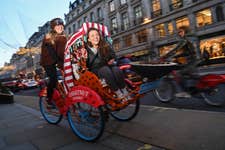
{"points": [[82, 97]]}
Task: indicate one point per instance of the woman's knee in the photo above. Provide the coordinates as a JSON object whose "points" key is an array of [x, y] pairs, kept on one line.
{"points": [[117, 72], [104, 71]]}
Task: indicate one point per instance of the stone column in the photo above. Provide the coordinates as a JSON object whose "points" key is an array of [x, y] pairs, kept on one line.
{"points": [[213, 11], [192, 20], [146, 8]]}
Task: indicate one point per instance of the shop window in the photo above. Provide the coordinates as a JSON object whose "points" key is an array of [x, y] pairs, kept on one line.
{"points": [[219, 13], [122, 2], [182, 22], [111, 6], [203, 18], [175, 4], [214, 46], [72, 15], [92, 17], [142, 36], [99, 11], [156, 8], [116, 44], [125, 21], [165, 49], [78, 11], [84, 6], [69, 30], [90, 2], [127, 40], [74, 28], [170, 28], [138, 15], [114, 26], [85, 19], [160, 30], [79, 23]]}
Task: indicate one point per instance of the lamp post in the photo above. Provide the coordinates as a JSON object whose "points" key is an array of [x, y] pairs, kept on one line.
{"points": [[32, 62]]}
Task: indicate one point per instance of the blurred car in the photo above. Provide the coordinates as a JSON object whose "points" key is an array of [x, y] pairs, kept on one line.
{"points": [[29, 83], [11, 83]]}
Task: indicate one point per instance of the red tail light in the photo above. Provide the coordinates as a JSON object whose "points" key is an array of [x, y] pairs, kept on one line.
{"points": [[123, 67]]}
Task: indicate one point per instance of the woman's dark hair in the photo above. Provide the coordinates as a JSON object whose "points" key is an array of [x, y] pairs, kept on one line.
{"points": [[103, 45], [56, 21]]}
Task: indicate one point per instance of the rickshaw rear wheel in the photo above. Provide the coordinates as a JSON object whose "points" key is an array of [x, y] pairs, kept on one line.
{"points": [[127, 113], [86, 121]]}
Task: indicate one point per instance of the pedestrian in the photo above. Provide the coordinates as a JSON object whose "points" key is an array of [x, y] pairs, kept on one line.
{"points": [[101, 61], [205, 54], [223, 48], [52, 53], [184, 51], [211, 51]]}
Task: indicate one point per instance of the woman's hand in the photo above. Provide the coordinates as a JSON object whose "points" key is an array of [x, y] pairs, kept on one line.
{"points": [[111, 61]]}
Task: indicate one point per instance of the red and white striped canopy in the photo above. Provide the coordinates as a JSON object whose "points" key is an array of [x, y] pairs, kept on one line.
{"points": [[68, 72]]}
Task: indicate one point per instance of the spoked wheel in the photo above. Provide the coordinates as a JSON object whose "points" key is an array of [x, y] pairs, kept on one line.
{"points": [[86, 121], [215, 96], [165, 91], [127, 113], [50, 112]]}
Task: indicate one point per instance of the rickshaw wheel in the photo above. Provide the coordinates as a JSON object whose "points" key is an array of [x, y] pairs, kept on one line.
{"points": [[127, 113], [86, 121], [50, 113]]}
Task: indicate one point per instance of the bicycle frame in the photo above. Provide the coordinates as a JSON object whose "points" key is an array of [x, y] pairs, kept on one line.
{"points": [[77, 94]]}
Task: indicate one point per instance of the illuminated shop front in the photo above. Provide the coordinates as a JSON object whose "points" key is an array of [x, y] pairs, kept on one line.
{"points": [[165, 49], [214, 46]]}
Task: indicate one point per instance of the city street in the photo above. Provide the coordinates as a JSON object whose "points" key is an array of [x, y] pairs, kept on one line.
{"points": [[155, 128], [150, 100]]}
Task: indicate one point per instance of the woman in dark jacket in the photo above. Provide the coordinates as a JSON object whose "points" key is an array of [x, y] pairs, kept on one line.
{"points": [[101, 61], [52, 53]]}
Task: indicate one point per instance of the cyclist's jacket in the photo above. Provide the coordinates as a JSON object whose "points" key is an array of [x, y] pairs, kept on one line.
{"points": [[52, 51], [184, 52]]}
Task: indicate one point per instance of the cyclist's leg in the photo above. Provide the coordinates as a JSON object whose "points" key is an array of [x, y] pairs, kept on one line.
{"points": [[51, 73]]}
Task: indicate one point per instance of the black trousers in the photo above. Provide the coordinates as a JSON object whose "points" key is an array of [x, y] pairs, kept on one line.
{"points": [[189, 71], [113, 75], [51, 73]]}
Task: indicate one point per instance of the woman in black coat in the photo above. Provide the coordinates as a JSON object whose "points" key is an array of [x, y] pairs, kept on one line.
{"points": [[101, 61]]}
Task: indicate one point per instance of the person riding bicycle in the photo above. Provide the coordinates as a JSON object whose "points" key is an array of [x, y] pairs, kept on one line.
{"points": [[52, 53], [184, 53]]}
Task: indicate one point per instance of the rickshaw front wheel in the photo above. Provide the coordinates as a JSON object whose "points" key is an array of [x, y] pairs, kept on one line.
{"points": [[86, 121]]}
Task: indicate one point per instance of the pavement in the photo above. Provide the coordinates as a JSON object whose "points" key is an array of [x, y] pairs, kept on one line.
{"points": [[155, 128]]}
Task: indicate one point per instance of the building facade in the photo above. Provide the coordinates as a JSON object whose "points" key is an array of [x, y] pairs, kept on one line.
{"points": [[27, 59], [34, 45], [148, 27]]}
